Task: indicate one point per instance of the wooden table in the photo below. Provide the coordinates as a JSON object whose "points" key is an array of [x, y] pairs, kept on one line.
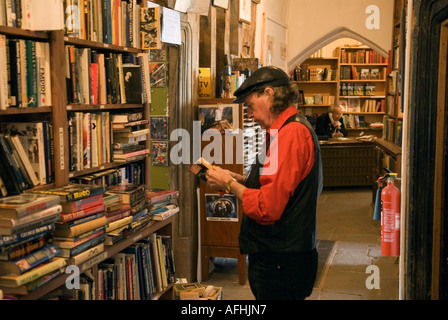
{"points": [[348, 162]]}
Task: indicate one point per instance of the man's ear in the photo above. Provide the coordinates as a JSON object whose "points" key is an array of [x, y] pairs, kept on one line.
{"points": [[269, 91]]}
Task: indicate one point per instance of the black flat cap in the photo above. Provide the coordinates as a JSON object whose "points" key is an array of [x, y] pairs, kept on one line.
{"points": [[262, 78]]}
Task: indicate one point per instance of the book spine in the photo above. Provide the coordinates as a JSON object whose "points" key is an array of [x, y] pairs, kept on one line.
{"points": [[9, 179], [12, 222], [163, 197], [4, 149], [36, 258], [23, 248], [6, 240], [46, 139], [31, 72], [67, 217], [119, 223], [30, 226], [163, 209], [79, 229], [87, 245], [63, 243], [165, 214], [23, 156], [18, 161], [4, 95], [87, 254], [38, 272], [14, 72]]}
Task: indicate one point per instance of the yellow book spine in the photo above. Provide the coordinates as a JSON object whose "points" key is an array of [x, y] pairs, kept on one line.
{"points": [[15, 281]]}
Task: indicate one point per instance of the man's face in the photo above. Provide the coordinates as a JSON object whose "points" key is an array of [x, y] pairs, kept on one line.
{"points": [[258, 108], [337, 114]]}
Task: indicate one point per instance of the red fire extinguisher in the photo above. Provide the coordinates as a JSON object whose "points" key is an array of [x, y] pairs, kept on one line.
{"points": [[390, 218]]}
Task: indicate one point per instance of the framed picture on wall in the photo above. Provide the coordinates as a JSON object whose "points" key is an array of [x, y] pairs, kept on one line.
{"points": [[221, 208], [245, 10], [221, 3], [219, 116], [160, 153]]}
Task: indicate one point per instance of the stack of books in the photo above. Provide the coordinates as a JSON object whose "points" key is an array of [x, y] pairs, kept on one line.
{"points": [[129, 135], [80, 230], [133, 200], [162, 203], [27, 252]]}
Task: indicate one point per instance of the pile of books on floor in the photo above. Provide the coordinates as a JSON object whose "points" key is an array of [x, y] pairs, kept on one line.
{"points": [[28, 254], [133, 214], [80, 230], [162, 203]]}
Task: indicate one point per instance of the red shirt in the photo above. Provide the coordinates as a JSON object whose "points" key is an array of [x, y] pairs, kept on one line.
{"points": [[295, 153]]}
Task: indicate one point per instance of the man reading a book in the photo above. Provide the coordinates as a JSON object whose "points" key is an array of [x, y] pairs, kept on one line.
{"points": [[278, 229]]}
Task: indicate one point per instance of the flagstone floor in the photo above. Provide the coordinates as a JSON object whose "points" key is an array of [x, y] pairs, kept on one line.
{"points": [[344, 216]]}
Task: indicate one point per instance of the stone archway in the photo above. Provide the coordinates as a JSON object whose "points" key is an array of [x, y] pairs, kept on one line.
{"points": [[327, 39]]}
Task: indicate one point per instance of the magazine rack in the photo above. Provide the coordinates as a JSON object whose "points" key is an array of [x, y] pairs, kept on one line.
{"points": [[220, 216]]}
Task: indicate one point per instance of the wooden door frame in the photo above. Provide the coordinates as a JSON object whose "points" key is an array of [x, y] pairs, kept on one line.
{"points": [[429, 15], [439, 279]]}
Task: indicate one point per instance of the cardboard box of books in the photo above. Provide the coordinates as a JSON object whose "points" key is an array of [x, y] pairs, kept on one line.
{"points": [[196, 291]]}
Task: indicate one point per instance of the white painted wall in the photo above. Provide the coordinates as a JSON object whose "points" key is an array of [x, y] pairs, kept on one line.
{"points": [[309, 25]]}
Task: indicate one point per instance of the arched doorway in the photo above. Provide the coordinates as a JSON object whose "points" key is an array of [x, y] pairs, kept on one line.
{"points": [[329, 38]]}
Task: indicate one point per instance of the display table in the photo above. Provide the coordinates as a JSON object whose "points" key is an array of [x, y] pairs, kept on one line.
{"points": [[348, 162]]}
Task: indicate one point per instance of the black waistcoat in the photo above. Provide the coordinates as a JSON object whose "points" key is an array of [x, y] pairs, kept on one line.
{"points": [[296, 231]]}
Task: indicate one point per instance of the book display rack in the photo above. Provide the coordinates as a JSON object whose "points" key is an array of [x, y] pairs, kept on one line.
{"points": [[64, 98], [221, 215]]}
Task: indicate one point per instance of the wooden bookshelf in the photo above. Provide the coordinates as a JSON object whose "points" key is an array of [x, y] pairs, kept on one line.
{"points": [[57, 114], [357, 66], [165, 226], [330, 91], [390, 144]]}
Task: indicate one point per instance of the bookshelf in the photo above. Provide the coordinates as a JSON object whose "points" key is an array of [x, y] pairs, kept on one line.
{"points": [[355, 79], [362, 89], [58, 115], [316, 79], [390, 143]]}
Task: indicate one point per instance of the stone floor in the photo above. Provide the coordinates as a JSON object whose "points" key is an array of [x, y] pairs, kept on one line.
{"points": [[344, 216]]}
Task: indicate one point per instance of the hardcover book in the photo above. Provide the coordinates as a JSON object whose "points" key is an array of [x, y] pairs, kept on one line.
{"points": [[31, 218], [19, 266], [7, 240], [82, 204], [25, 204], [33, 274], [29, 226], [72, 192], [130, 193], [133, 83], [75, 230], [160, 195]]}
